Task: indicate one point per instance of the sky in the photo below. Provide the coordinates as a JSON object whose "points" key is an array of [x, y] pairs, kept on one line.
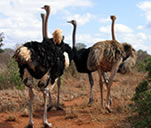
{"points": [[20, 21]]}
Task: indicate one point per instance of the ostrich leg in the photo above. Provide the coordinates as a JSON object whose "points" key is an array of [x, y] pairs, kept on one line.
{"points": [[91, 88], [58, 107], [45, 122], [113, 72], [49, 106], [101, 86], [28, 81], [106, 82], [105, 77]]}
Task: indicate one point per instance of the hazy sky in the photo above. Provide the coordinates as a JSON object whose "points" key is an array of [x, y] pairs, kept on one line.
{"points": [[21, 22]]}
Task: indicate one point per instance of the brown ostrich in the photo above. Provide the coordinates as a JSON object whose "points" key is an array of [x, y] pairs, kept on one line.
{"points": [[106, 56]]}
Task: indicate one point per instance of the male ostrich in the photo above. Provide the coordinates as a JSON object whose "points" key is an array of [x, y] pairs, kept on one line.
{"points": [[80, 60], [107, 56], [40, 60], [67, 51]]}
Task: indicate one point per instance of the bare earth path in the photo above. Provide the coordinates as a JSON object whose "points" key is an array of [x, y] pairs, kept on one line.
{"points": [[77, 113]]}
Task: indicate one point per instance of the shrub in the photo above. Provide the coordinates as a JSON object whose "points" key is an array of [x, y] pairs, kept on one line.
{"points": [[142, 100], [13, 74], [10, 77]]}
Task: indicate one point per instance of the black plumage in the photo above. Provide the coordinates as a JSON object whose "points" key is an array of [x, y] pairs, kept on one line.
{"points": [[44, 56], [80, 59]]}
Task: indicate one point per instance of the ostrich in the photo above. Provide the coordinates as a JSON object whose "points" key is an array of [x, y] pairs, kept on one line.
{"points": [[129, 61], [40, 60], [108, 56], [80, 60], [57, 40]]}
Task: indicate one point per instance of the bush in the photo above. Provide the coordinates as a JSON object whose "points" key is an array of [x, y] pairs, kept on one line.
{"points": [[13, 74], [142, 100], [10, 77]]}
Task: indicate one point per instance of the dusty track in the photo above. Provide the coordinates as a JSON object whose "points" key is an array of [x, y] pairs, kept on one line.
{"points": [[74, 99]]}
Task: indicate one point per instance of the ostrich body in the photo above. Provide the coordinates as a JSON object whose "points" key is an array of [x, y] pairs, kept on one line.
{"points": [[80, 60], [40, 60], [110, 56], [65, 48]]}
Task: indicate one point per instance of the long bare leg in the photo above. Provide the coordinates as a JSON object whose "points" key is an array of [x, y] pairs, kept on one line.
{"points": [[91, 87], [28, 81], [113, 72], [31, 96], [105, 77], [106, 82], [101, 86], [50, 105], [45, 122], [58, 97]]}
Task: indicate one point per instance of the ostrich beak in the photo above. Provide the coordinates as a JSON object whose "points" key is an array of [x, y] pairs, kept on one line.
{"points": [[42, 8], [69, 22]]}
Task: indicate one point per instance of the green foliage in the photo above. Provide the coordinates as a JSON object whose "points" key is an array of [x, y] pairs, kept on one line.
{"points": [[10, 77], [14, 76], [2, 81], [142, 99], [140, 63]]}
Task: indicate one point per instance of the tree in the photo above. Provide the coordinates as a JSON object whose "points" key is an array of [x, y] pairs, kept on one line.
{"points": [[1, 41], [80, 46]]}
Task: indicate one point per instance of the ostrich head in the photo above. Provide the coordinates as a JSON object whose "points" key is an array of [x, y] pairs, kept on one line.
{"points": [[73, 22], [57, 36], [113, 17], [46, 7]]}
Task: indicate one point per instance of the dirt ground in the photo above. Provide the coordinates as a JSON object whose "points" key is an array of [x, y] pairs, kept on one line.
{"points": [[77, 113]]}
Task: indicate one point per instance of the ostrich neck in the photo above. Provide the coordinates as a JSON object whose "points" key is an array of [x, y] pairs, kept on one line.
{"points": [[46, 24], [113, 35], [74, 35], [43, 27]]}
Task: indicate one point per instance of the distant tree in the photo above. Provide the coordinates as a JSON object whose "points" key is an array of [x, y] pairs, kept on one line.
{"points": [[141, 57], [1, 41], [80, 45]]}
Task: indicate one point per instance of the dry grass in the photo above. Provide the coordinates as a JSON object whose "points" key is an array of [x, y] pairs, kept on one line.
{"points": [[74, 99]]}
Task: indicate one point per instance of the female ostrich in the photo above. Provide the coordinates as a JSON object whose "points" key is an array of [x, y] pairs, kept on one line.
{"points": [[40, 60], [107, 56], [67, 52], [80, 60], [129, 61]]}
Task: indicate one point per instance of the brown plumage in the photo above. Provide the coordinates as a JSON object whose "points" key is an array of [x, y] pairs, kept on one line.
{"points": [[129, 61], [106, 56]]}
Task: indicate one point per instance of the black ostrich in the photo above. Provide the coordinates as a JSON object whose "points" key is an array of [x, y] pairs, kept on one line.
{"points": [[65, 48], [67, 51], [40, 60], [80, 60]]}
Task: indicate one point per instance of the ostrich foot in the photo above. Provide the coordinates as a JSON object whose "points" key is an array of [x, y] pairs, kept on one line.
{"points": [[49, 107], [58, 107], [108, 108], [29, 126], [47, 125], [90, 101]]}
